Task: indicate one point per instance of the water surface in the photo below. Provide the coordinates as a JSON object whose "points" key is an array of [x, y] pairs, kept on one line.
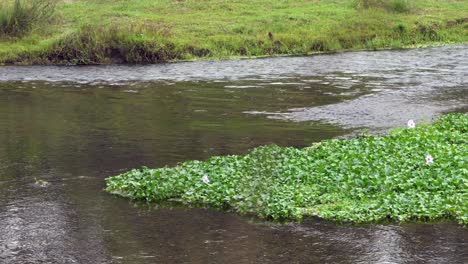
{"points": [[74, 126]]}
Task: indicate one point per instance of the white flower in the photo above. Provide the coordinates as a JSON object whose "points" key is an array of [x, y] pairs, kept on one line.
{"points": [[205, 179], [429, 159], [411, 124]]}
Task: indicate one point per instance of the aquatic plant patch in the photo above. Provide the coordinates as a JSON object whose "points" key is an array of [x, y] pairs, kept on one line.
{"points": [[419, 172]]}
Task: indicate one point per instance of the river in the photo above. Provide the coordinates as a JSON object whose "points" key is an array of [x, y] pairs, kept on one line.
{"points": [[74, 126]]}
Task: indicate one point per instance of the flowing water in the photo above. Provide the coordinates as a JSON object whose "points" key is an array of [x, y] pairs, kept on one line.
{"points": [[74, 126]]}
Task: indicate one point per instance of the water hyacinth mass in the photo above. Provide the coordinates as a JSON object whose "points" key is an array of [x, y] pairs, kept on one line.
{"points": [[369, 179]]}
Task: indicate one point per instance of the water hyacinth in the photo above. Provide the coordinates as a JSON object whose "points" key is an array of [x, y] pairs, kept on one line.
{"points": [[411, 123], [205, 179], [429, 159]]}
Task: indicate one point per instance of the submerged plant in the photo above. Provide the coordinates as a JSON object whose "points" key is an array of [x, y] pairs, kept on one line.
{"points": [[366, 179], [41, 183]]}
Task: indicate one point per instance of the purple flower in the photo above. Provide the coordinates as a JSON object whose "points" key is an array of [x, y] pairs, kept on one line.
{"points": [[411, 124], [429, 159], [205, 179]]}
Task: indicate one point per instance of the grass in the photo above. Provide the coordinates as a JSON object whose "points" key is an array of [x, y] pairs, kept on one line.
{"points": [[368, 179], [397, 6], [21, 16], [146, 31]]}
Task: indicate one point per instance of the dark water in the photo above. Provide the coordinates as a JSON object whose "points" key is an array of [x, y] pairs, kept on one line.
{"points": [[74, 126]]}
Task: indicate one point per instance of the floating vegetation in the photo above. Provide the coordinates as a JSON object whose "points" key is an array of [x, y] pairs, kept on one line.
{"points": [[415, 173], [41, 183]]}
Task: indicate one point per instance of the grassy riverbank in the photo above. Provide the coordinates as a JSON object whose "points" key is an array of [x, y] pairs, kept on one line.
{"points": [[368, 179], [144, 31]]}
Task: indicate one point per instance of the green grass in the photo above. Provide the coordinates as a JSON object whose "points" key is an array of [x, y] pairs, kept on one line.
{"points": [[368, 179], [20, 16], [147, 31]]}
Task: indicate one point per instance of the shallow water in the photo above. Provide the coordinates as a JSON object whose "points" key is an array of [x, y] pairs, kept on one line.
{"points": [[74, 126]]}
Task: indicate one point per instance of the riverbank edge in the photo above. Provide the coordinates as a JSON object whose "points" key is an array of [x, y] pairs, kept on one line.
{"points": [[279, 55], [51, 56]]}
